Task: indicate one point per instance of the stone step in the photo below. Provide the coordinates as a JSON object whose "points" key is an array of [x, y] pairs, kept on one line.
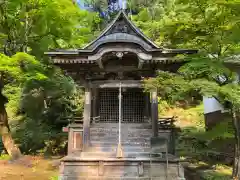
{"points": [[115, 139], [114, 149], [108, 178], [112, 155], [123, 125], [124, 143], [115, 129], [124, 139], [123, 134]]}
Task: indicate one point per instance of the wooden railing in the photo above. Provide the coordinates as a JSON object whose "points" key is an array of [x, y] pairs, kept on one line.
{"points": [[166, 123], [77, 120], [70, 120]]}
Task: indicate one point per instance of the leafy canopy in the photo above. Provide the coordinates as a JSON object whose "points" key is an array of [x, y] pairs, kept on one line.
{"points": [[35, 26]]}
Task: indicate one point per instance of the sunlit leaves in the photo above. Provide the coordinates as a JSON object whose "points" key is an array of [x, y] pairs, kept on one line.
{"points": [[174, 87], [21, 67], [211, 26], [35, 26]]}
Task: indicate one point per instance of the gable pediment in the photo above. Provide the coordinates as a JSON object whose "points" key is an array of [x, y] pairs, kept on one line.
{"points": [[122, 30], [121, 26]]}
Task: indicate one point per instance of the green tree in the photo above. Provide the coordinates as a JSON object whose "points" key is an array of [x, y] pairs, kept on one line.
{"points": [[35, 26], [207, 25], [21, 67]]}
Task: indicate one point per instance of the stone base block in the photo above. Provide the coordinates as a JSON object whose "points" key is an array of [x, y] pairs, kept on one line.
{"points": [[120, 170]]}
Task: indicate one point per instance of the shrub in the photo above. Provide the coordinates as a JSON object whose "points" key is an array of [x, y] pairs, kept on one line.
{"points": [[34, 137]]}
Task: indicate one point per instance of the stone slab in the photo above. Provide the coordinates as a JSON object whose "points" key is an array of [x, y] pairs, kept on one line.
{"points": [[120, 170]]}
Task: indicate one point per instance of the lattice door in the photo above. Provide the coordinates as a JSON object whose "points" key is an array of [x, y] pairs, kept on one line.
{"points": [[132, 105], [108, 109]]}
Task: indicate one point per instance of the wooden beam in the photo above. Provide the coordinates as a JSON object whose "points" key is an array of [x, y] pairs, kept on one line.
{"points": [[115, 84]]}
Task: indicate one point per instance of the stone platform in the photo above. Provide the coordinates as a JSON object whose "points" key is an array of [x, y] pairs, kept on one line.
{"points": [[105, 166]]}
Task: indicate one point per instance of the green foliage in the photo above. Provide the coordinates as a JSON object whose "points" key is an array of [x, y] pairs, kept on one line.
{"points": [[35, 26], [216, 175], [39, 94], [13, 92], [174, 87], [36, 137], [5, 157], [52, 98], [223, 130], [42, 103], [198, 67], [54, 178], [22, 67], [163, 106], [211, 26]]}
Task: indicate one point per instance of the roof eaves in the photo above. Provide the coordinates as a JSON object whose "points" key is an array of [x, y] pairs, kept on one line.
{"points": [[61, 53]]}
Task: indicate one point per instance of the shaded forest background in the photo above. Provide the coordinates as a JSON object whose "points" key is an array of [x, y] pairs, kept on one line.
{"points": [[38, 96]]}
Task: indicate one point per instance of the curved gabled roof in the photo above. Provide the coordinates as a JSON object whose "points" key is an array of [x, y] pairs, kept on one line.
{"points": [[121, 31], [122, 24]]}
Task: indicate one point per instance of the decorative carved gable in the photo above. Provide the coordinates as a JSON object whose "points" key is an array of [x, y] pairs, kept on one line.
{"points": [[121, 26]]}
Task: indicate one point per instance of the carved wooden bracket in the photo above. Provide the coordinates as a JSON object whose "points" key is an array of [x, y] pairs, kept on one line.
{"points": [[100, 64], [140, 64]]}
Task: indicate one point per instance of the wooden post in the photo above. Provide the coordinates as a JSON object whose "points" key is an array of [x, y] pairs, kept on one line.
{"points": [[147, 114], [70, 141], [154, 112], [95, 103], [87, 118]]}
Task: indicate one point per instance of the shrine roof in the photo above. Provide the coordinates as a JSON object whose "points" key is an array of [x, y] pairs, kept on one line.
{"points": [[122, 24], [120, 30]]}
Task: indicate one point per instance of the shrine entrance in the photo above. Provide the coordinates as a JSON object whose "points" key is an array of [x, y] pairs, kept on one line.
{"points": [[133, 105]]}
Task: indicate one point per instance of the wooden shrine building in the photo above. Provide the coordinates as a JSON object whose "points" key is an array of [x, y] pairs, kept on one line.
{"points": [[120, 121]]}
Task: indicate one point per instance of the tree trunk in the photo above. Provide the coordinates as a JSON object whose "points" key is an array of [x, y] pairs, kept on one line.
{"points": [[236, 164], [7, 139]]}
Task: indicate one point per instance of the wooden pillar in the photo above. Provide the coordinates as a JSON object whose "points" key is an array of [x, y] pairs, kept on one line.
{"points": [[70, 141], [154, 112], [87, 118], [147, 104], [95, 103]]}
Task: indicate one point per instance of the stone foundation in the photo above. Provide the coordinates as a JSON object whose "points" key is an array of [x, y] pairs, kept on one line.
{"points": [[110, 168]]}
